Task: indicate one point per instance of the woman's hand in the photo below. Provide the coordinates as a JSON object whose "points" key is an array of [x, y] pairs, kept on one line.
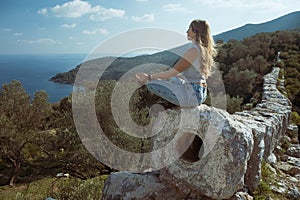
{"points": [[142, 77]]}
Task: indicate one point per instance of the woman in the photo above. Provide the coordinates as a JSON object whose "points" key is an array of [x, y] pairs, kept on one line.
{"points": [[185, 84]]}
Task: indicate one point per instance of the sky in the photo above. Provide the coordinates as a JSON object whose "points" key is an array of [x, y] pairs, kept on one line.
{"points": [[78, 26]]}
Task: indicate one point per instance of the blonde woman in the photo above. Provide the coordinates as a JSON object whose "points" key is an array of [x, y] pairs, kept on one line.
{"points": [[185, 83]]}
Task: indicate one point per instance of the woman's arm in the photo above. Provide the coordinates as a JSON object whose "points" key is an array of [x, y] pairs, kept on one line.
{"points": [[181, 65]]}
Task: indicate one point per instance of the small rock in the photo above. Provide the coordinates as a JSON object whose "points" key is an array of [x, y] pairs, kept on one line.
{"points": [[284, 158], [283, 166], [241, 196], [294, 161], [49, 198], [294, 151], [60, 175], [294, 193], [292, 132], [288, 168], [293, 179], [295, 141], [272, 169], [285, 138], [272, 158], [278, 189], [293, 171]]}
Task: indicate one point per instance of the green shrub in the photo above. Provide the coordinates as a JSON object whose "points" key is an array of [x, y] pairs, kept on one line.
{"points": [[263, 191], [295, 117], [234, 104], [73, 189]]}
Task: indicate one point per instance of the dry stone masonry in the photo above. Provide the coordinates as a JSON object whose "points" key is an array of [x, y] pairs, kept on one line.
{"points": [[229, 151]]}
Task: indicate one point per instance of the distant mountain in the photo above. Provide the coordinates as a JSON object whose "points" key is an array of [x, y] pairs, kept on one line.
{"points": [[286, 22]]}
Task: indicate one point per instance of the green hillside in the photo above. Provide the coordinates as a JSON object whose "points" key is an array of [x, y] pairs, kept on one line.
{"points": [[286, 22]]}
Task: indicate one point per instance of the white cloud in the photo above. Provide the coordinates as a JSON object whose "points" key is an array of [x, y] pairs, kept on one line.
{"points": [[174, 8], [69, 25], [144, 18], [73, 9], [89, 32], [78, 8], [94, 32], [46, 41], [103, 31], [106, 13], [18, 34], [43, 11]]}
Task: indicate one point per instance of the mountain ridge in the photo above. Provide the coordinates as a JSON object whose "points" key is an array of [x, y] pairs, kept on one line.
{"points": [[285, 22]]}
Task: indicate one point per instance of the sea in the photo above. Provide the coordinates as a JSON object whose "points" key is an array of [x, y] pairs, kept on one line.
{"points": [[34, 72]]}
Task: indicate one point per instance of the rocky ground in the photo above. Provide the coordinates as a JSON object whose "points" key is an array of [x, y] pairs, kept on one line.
{"points": [[281, 173], [284, 166]]}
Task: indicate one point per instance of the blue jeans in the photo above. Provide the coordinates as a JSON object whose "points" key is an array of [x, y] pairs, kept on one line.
{"points": [[178, 91]]}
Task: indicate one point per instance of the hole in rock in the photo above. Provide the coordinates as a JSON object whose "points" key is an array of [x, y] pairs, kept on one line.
{"points": [[194, 143]]}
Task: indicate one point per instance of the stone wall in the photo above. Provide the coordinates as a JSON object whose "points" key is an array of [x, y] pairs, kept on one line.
{"points": [[224, 154], [268, 121]]}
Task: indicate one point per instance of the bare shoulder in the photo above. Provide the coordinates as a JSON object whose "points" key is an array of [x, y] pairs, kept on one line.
{"points": [[191, 54]]}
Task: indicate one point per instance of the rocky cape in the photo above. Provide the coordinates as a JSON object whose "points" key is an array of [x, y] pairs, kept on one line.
{"points": [[113, 68], [224, 160]]}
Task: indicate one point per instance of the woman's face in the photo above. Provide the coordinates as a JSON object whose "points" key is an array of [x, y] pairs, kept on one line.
{"points": [[191, 35]]}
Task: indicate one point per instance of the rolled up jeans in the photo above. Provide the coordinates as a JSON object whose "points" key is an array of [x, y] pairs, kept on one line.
{"points": [[179, 91]]}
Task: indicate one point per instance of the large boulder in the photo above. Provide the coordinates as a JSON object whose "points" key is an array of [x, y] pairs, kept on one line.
{"points": [[223, 151], [215, 169]]}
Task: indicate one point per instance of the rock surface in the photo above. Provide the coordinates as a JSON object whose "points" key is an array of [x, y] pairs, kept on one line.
{"points": [[124, 185], [294, 151], [227, 146], [229, 154], [268, 121], [241, 196]]}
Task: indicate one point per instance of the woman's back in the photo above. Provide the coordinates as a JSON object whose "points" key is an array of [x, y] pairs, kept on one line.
{"points": [[193, 73]]}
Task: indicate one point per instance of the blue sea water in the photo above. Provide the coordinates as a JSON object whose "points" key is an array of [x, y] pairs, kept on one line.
{"points": [[34, 72]]}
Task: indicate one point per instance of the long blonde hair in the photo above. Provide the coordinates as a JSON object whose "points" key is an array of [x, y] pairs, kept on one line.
{"points": [[206, 44]]}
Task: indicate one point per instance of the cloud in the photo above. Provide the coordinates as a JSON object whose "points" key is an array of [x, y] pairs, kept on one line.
{"points": [[43, 11], [94, 32], [69, 25], [88, 32], [18, 34], [46, 41], [106, 13], [78, 8], [103, 31], [174, 8], [73, 9], [144, 18]]}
